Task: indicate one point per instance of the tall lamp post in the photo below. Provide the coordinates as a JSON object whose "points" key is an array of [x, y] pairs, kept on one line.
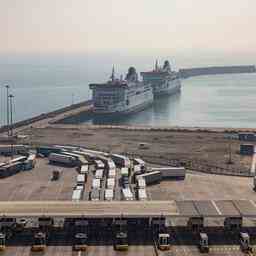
{"points": [[7, 108], [11, 114]]}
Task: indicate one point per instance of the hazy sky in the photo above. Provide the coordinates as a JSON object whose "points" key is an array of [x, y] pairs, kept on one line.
{"points": [[141, 25]]}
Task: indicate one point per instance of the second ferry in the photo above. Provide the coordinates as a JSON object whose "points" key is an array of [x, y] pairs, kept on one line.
{"points": [[119, 97], [163, 80]]}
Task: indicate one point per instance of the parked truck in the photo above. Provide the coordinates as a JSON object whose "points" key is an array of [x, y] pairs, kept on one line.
{"points": [[127, 194], [245, 243], [142, 194], [111, 183], [150, 177], [203, 243], [62, 159], [171, 172], [109, 194], [95, 195]]}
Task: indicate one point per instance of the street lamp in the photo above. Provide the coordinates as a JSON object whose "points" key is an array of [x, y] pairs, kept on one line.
{"points": [[11, 113], [7, 108]]}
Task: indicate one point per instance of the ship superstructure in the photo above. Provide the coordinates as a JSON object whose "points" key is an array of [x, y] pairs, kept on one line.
{"points": [[119, 96], [164, 81]]}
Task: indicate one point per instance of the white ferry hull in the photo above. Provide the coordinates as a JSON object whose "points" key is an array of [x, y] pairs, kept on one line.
{"points": [[127, 111], [172, 89]]}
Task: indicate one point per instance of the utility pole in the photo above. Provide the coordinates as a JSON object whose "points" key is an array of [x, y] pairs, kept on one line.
{"points": [[7, 108]]}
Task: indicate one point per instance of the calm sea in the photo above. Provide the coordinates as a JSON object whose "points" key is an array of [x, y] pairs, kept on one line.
{"points": [[41, 85]]}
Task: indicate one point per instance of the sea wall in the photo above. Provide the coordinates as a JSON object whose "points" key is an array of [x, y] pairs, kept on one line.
{"points": [[47, 115], [188, 72]]}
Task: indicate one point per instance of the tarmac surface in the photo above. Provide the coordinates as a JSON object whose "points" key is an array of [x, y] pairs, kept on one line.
{"points": [[37, 185]]}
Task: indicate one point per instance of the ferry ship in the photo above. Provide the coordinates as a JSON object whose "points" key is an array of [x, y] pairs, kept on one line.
{"points": [[163, 80], [121, 96]]}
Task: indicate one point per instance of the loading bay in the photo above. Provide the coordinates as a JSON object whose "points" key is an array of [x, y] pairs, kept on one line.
{"points": [[210, 196]]}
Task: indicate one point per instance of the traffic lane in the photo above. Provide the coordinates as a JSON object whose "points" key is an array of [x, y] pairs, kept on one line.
{"points": [[138, 250]]}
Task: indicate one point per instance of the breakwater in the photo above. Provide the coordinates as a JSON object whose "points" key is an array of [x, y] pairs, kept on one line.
{"points": [[49, 115], [189, 72]]}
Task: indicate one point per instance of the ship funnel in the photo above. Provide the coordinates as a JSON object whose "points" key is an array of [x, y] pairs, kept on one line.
{"points": [[132, 75]]}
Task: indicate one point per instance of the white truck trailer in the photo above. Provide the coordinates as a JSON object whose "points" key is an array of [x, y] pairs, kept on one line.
{"points": [[99, 164], [142, 194], [111, 183], [99, 174], [112, 173], [109, 194], [77, 195], [150, 177], [96, 183], [127, 194], [80, 179]]}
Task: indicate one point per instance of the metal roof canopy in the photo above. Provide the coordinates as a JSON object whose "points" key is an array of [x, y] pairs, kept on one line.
{"points": [[246, 208], [131, 209], [187, 209], [89, 209], [206, 208], [228, 209]]}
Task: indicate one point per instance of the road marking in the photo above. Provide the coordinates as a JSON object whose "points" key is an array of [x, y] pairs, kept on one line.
{"points": [[216, 207]]}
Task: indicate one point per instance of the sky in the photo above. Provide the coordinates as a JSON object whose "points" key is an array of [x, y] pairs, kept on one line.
{"points": [[142, 26]]}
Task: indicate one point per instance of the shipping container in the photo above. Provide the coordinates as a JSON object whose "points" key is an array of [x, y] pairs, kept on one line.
{"points": [[247, 149], [142, 194], [62, 159], [120, 160], [95, 195], [80, 179], [248, 136], [141, 184], [111, 183], [150, 177], [112, 173], [127, 194], [109, 194], [99, 174], [77, 195], [124, 172], [99, 164], [96, 183], [171, 172]]}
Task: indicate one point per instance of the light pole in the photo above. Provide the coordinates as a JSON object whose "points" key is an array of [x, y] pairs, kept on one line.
{"points": [[11, 113], [7, 108]]}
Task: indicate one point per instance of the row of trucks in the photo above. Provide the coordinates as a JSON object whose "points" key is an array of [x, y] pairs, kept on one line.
{"points": [[15, 165], [80, 227]]}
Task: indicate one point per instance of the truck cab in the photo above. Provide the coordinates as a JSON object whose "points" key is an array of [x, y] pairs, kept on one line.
{"points": [[81, 234], [80, 242], [164, 241], [39, 242], [120, 235], [244, 240], [203, 243], [121, 241], [2, 241]]}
